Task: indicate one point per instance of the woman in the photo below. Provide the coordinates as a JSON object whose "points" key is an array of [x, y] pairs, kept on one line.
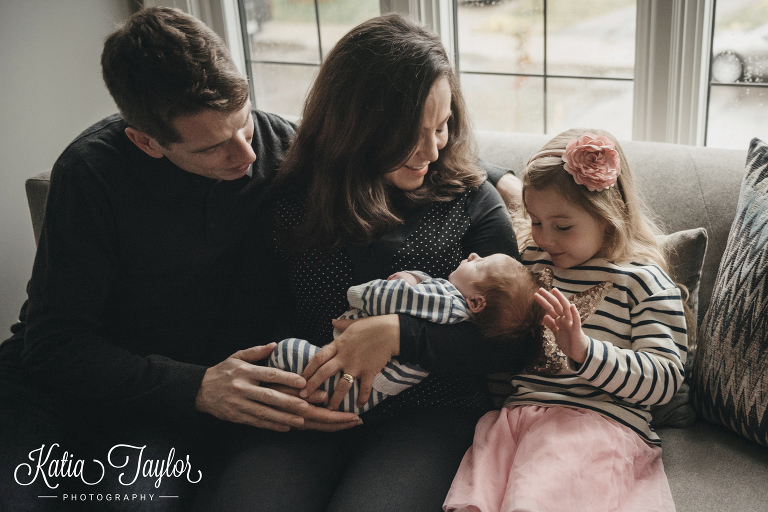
{"points": [[382, 177]]}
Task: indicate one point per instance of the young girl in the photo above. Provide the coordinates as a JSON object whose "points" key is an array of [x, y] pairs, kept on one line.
{"points": [[581, 440]]}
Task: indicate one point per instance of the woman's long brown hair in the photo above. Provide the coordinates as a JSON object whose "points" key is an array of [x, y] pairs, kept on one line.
{"points": [[361, 120]]}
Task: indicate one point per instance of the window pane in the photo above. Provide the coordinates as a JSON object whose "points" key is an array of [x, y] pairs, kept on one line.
{"points": [[501, 36], [737, 114], [337, 17], [583, 41], [604, 104], [281, 88], [282, 30], [505, 103], [508, 36], [740, 44]]}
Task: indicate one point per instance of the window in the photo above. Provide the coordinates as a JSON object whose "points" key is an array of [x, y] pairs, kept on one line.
{"points": [[640, 69], [287, 40], [543, 66], [738, 87]]}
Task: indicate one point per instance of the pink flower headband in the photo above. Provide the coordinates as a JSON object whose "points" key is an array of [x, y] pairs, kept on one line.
{"points": [[591, 159]]}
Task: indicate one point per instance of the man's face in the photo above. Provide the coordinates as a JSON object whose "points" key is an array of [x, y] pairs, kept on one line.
{"points": [[213, 144]]}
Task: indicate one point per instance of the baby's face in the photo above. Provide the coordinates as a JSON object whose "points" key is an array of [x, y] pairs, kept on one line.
{"points": [[475, 270]]}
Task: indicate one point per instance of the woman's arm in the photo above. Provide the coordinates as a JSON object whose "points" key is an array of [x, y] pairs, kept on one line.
{"points": [[460, 348]]}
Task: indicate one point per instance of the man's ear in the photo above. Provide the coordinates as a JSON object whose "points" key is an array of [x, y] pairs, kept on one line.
{"points": [[144, 142], [476, 304]]}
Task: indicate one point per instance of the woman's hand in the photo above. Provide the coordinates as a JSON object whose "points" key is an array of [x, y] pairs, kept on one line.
{"points": [[563, 320], [239, 391], [320, 418], [362, 350]]}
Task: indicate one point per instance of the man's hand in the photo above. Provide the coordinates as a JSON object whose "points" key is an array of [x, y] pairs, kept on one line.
{"points": [[320, 418], [237, 390]]}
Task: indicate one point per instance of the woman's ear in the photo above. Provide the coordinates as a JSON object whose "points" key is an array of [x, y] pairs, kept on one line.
{"points": [[476, 304], [144, 142]]}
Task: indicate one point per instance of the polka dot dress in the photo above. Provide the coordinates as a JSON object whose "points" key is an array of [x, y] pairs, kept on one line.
{"points": [[319, 281]]}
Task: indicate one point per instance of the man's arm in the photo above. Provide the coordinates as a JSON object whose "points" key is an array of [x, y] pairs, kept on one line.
{"points": [[75, 270]]}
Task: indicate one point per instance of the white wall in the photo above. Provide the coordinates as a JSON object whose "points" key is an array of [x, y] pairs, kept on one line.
{"points": [[50, 90]]}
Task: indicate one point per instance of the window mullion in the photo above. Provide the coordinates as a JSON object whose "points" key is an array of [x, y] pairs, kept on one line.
{"points": [[652, 42], [438, 14], [689, 71], [223, 16], [671, 70]]}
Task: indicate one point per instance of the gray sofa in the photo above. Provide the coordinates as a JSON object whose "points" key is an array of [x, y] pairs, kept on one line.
{"points": [[709, 468]]}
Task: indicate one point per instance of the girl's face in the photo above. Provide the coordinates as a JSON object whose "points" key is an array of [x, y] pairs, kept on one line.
{"points": [[433, 138], [566, 231]]}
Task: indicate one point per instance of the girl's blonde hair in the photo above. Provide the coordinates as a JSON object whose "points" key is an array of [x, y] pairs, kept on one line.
{"points": [[631, 235]]}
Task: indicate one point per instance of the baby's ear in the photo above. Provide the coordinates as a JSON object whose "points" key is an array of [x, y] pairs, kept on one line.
{"points": [[476, 304]]}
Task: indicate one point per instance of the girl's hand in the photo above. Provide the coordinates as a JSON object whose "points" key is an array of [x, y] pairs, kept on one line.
{"points": [[362, 350], [563, 320]]}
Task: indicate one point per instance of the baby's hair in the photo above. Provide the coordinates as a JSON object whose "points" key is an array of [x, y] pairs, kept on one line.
{"points": [[510, 308], [631, 234]]}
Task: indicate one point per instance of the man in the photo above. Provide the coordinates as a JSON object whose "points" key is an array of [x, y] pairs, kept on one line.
{"points": [[152, 278], [133, 373]]}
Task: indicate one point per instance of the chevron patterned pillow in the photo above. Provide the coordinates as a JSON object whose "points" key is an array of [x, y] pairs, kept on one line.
{"points": [[730, 371]]}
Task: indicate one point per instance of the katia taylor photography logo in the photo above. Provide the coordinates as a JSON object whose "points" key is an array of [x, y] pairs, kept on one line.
{"points": [[51, 465]]}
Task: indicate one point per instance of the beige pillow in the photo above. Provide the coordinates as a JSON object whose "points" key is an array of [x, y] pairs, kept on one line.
{"points": [[685, 252]]}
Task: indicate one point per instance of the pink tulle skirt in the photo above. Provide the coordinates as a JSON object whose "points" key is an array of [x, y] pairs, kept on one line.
{"points": [[556, 459]]}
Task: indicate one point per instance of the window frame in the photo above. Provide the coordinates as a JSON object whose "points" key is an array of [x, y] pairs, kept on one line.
{"points": [[672, 57]]}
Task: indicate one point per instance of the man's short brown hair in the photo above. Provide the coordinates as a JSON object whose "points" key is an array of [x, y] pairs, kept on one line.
{"points": [[162, 64]]}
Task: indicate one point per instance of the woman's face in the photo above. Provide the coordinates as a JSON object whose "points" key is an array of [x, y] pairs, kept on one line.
{"points": [[433, 138]]}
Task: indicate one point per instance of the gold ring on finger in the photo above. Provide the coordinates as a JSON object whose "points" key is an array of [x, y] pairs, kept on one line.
{"points": [[347, 377]]}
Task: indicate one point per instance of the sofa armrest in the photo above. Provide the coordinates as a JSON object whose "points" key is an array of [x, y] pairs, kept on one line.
{"points": [[37, 194]]}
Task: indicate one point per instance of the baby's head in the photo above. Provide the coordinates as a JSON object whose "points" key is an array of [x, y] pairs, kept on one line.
{"points": [[585, 171], [500, 294]]}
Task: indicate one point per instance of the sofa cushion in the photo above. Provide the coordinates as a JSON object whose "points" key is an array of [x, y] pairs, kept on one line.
{"points": [[729, 372], [685, 252]]}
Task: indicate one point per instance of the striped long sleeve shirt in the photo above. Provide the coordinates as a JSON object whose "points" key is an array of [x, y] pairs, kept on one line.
{"points": [[637, 345], [433, 299]]}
